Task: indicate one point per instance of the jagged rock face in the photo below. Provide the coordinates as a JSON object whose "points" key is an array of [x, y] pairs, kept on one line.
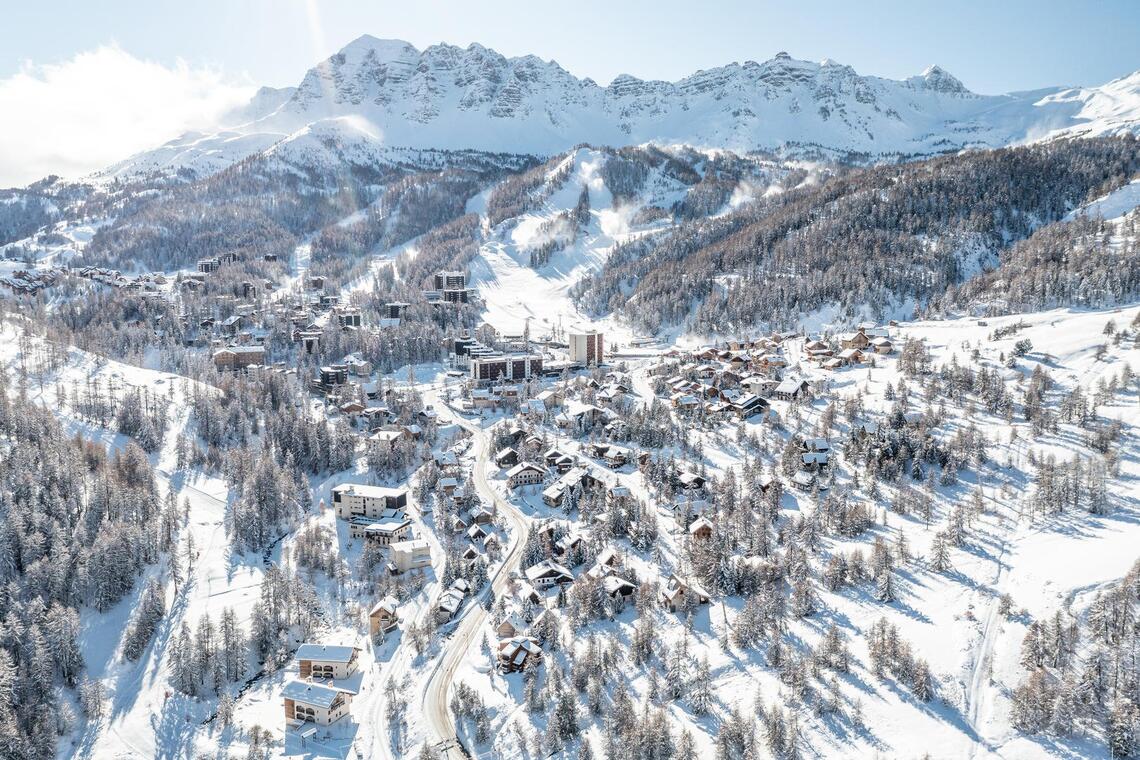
{"points": [[447, 97]]}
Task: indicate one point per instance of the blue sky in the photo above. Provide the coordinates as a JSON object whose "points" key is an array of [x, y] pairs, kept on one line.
{"points": [[94, 82]]}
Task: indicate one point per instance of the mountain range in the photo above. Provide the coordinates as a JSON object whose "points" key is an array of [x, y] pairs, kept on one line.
{"points": [[376, 94]]}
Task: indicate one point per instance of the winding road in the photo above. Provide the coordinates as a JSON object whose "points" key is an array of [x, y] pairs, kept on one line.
{"points": [[437, 714]]}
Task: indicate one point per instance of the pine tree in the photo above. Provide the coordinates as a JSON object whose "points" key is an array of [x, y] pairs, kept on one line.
{"points": [[700, 691], [885, 588], [921, 684], [1121, 729], [940, 554]]}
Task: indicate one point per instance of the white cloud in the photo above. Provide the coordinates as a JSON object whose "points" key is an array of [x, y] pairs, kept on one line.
{"points": [[101, 106]]}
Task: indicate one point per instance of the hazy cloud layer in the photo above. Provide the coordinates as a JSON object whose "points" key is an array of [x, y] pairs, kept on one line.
{"points": [[75, 117]]}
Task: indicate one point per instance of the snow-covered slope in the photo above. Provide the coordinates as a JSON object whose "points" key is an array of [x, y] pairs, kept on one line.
{"points": [[474, 98], [1113, 205]]}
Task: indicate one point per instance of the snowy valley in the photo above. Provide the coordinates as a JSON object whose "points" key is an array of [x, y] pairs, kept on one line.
{"points": [[450, 405]]}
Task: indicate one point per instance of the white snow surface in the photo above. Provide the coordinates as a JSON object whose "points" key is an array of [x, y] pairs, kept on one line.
{"points": [[1112, 206]]}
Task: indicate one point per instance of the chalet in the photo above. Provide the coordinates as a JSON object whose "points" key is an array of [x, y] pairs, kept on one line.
{"points": [[685, 512], [701, 529], [596, 449], [833, 364], [882, 345], [551, 399], [813, 461], [815, 444], [375, 413], [769, 361], [805, 481], [480, 515], [558, 459], [748, 405], [388, 436], [315, 703], [609, 395], [581, 417], [852, 356], [679, 591], [690, 481], [354, 499], [383, 618], [516, 652], [508, 457], [857, 339], [618, 494], [617, 457], [357, 366], [231, 325], [408, 555], [470, 554], [511, 626], [567, 544], [525, 474], [789, 390], [684, 401], [618, 588], [482, 398], [382, 531], [578, 478], [321, 661], [352, 409], [609, 557], [617, 430], [450, 601], [548, 573], [446, 460]]}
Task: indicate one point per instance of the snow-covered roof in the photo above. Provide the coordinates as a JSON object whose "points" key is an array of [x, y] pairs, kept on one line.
{"points": [[523, 467], [546, 568], [368, 492], [325, 653], [387, 604], [803, 478], [311, 693], [789, 386]]}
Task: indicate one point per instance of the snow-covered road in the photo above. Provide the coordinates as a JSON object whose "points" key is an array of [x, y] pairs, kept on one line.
{"points": [[435, 702]]}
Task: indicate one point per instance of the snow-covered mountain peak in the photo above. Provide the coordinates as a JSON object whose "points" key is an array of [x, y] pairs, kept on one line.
{"points": [[381, 46], [939, 80], [474, 98]]}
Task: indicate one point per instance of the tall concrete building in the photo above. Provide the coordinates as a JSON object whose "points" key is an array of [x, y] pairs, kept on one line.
{"points": [[586, 348], [508, 367]]}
